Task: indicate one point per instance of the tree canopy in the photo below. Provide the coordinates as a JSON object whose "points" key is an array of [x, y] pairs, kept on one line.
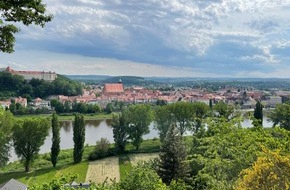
{"points": [[140, 118], [28, 136], [280, 115], [26, 12], [6, 123]]}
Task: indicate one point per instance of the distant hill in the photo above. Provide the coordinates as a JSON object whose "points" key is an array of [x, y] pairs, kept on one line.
{"points": [[131, 80], [88, 77]]}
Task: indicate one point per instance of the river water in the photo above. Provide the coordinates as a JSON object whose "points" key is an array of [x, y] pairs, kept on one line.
{"points": [[96, 129]]}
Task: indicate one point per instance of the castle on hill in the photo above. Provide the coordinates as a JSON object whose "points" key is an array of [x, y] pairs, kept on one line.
{"points": [[28, 75]]}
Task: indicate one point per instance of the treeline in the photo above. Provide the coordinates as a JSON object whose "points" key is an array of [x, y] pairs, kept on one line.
{"points": [[15, 85]]}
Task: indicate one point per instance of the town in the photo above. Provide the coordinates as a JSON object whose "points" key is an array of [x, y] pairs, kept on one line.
{"points": [[110, 93]]}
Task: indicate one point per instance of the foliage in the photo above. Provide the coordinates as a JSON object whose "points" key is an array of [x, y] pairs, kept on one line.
{"points": [[78, 137], [27, 12], [28, 136], [182, 113], [270, 171], [219, 154], [281, 115], [223, 110], [258, 113], [172, 164], [163, 120], [142, 178], [102, 149], [120, 127], [6, 123], [55, 147], [140, 118], [200, 112], [17, 86]]}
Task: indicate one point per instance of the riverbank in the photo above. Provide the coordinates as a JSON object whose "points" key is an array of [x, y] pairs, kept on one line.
{"points": [[68, 117]]}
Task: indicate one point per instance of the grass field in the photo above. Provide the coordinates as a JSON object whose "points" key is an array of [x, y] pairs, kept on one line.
{"points": [[125, 165], [111, 167]]}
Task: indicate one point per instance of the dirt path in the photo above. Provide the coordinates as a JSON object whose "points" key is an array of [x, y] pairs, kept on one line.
{"points": [[99, 170]]}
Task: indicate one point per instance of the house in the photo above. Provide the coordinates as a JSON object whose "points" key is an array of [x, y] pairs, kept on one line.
{"points": [[13, 184], [113, 88], [20, 100], [39, 103], [28, 75], [5, 104]]}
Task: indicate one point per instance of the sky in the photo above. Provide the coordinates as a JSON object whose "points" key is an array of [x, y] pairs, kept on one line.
{"points": [[170, 38]]}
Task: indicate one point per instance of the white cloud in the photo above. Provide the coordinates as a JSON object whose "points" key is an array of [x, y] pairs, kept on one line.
{"points": [[167, 32]]}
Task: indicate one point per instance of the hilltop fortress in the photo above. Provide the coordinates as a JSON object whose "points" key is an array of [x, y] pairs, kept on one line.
{"points": [[28, 75]]}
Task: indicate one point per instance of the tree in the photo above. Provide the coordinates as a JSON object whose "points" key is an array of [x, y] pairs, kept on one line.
{"points": [[140, 118], [163, 121], [55, 147], [172, 164], [224, 150], [78, 137], [6, 123], [27, 12], [280, 115], [142, 177], [28, 136], [270, 171], [182, 112], [120, 126], [258, 113], [200, 111]]}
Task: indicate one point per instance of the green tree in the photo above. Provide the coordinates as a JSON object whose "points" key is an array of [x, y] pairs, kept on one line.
{"points": [[280, 115], [78, 137], [172, 164], [27, 12], [140, 118], [221, 152], [182, 112], [12, 108], [55, 147], [6, 123], [28, 136], [120, 126], [200, 111], [270, 171], [258, 113], [163, 120], [142, 177]]}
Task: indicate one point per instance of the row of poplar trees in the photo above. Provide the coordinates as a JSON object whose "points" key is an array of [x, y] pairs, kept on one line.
{"points": [[78, 138]]}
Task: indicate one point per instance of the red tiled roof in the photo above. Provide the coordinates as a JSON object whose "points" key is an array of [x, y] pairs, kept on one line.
{"points": [[114, 88]]}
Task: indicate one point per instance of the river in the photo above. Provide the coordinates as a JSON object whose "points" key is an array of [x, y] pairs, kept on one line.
{"points": [[96, 129]]}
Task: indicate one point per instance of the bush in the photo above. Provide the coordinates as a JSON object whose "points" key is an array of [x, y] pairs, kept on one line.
{"points": [[101, 154], [102, 150]]}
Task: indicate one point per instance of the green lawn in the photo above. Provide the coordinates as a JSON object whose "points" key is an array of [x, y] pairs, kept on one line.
{"points": [[42, 170], [44, 175], [125, 166]]}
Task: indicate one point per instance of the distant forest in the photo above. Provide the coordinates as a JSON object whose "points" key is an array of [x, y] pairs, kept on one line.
{"points": [[205, 83], [14, 85]]}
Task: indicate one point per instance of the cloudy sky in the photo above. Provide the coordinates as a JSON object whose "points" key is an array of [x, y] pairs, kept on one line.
{"points": [[181, 38]]}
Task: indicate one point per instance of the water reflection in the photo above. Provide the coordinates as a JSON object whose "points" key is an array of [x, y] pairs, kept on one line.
{"points": [[93, 123], [66, 125], [109, 122]]}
